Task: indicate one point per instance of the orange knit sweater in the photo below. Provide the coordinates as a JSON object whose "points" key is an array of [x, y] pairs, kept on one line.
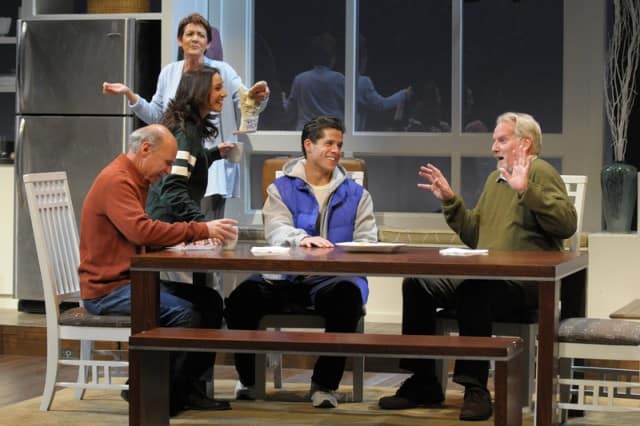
{"points": [[114, 224]]}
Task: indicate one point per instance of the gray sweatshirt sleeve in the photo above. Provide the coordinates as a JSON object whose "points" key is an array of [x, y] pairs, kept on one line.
{"points": [[365, 228]]}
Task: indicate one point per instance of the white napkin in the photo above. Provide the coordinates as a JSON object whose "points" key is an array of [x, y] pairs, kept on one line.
{"points": [[456, 251], [269, 250], [190, 247]]}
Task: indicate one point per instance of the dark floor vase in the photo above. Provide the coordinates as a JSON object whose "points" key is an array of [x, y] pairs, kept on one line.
{"points": [[619, 188]]}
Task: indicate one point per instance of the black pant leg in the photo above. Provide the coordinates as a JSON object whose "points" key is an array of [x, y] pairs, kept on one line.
{"points": [[340, 304], [479, 303], [207, 303], [244, 308], [188, 367], [420, 299]]}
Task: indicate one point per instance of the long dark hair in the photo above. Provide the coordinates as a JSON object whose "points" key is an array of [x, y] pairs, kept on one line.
{"points": [[183, 111]]}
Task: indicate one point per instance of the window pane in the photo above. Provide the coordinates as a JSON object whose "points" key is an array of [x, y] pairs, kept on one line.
{"points": [[474, 174], [404, 43], [401, 193], [299, 51], [510, 63]]}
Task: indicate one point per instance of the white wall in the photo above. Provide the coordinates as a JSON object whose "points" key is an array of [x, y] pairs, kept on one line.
{"points": [[612, 276], [385, 300]]}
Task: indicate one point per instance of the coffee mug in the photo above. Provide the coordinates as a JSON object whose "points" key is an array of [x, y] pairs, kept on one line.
{"points": [[235, 154], [231, 244]]}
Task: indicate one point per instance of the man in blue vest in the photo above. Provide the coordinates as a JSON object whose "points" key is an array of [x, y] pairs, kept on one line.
{"points": [[313, 205]]}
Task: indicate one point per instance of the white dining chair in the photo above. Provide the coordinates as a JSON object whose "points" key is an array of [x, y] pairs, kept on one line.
{"points": [[56, 238]]}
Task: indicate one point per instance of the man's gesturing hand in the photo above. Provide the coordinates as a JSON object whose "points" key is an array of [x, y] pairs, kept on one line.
{"points": [[438, 183]]}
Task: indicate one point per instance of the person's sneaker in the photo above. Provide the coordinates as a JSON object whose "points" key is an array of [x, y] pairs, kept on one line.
{"points": [[245, 393], [413, 393], [322, 397], [477, 404]]}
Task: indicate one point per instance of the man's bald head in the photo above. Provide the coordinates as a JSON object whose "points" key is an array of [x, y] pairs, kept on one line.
{"points": [[155, 134]]}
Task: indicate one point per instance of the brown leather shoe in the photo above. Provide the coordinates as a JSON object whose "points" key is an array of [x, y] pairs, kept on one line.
{"points": [[477, 404], [413, 393], [196, 401]]}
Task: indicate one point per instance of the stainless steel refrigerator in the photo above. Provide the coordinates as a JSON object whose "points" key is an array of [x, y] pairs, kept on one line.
{"points": [[63, 121]]}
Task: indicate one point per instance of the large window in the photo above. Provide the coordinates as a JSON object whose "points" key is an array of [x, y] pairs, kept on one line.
{"points": [[465, 62], [403, 79]]}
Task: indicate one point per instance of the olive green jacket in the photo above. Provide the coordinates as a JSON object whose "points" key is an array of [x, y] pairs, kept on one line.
{"points": [[538, 219]]}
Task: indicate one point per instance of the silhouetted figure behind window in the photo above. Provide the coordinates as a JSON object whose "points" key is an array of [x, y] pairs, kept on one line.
{"points": [[320, 90], [368, 97]]}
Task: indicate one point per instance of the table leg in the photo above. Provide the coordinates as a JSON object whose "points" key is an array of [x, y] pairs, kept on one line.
{"points": [[148, 387], [547, 389], [145, 300]]}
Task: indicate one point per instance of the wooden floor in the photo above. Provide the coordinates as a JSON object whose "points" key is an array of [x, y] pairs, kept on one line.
{"points": [[23, 377], [23, 374]]}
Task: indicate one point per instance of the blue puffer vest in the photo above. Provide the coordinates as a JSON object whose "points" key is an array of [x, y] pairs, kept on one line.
{"points": [[341, 213]]}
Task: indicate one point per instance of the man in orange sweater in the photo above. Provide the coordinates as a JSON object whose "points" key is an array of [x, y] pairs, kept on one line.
{"points": [[114, 224]]}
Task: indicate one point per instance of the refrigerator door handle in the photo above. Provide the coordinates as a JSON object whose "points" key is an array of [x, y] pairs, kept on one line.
{"points": [[19, 163], [21, 34], [18, 148], [129, 64]]}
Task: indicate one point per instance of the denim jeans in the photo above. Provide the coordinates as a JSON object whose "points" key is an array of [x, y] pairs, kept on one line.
{"points": [[174, 311]]}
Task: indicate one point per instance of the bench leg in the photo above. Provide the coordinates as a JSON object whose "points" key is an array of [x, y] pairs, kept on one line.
{"points": [[261, 376], [508, 394], [358, 378], [148, 388]]}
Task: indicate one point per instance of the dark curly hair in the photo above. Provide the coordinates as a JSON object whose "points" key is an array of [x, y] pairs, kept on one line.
{"points": [[183, 111], [314, 129]]}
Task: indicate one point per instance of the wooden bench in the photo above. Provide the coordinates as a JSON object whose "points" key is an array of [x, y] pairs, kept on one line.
{"points": [[149, 351]]}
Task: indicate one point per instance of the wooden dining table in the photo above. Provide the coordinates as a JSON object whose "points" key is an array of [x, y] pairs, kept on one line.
{"points": [[560, 278]]}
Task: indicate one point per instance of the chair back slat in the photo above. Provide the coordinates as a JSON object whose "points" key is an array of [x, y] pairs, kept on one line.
{"points": [[55, 233], [576, 187]]}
